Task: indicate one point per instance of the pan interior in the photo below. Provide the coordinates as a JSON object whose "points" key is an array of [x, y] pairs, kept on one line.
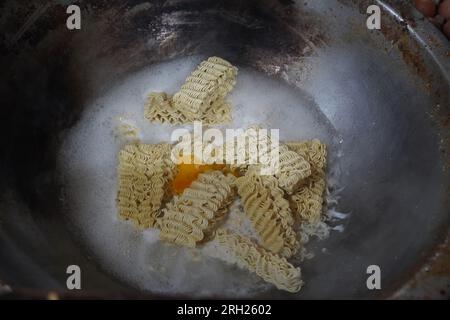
{"points": [[310, 69], [88, 165]]}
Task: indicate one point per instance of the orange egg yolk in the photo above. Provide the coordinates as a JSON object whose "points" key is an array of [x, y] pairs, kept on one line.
{"points": [[189, 172]]}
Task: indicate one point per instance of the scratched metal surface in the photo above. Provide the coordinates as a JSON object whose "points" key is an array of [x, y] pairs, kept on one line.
{"points": [[386, 94]]}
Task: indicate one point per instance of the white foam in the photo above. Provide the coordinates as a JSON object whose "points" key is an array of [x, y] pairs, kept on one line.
{"points": [[88, 164]]}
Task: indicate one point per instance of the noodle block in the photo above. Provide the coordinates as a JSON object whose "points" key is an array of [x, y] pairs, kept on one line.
{"points": [[269, 266], [144, 172], [269, 212], [201, 98], [210, 82], [307, 201], [193, 216], [293, 168]]}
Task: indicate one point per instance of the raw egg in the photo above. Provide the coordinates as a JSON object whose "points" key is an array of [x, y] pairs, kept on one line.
{"points": [[446, 29], [444, 9], [427, 7], [188, 172], [438, 21]]}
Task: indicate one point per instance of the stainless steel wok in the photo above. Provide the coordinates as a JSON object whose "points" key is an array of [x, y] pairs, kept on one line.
{"points": [[385, 94]]}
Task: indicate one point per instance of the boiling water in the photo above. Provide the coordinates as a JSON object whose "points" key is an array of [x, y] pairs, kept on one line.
{"points": [[88, 165]]}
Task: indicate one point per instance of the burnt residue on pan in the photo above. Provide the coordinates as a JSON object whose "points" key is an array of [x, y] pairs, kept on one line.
{"points": [[397, 32], [119, 37], [432, 281], [432, 278], [399, 37]]}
